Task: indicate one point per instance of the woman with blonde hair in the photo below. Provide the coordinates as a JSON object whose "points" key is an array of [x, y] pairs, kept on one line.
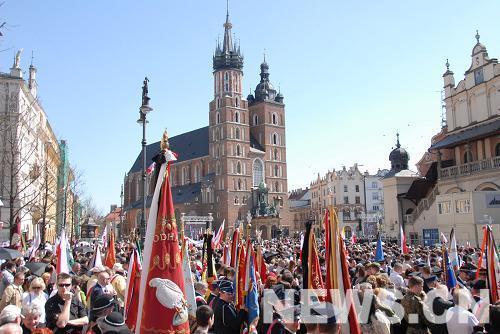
{"points": [[36, 296]]}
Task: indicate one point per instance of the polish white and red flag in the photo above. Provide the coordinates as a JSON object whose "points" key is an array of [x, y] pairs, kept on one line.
{"points": [[217, 239], [404, 248]]}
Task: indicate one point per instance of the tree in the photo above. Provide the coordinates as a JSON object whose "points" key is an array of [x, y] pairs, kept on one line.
{"points": [[19, 147]]}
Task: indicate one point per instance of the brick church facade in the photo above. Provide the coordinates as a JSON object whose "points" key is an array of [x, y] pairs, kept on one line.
{"points": [[234, 168]]}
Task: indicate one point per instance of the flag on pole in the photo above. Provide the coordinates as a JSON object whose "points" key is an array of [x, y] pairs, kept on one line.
{"points": [[311, 271], [162, 289], [252, 298], [36, 242], [379, 253], [15, 235], [492, 266], [62, 254], [260, 264], [240, 276], [188, 279], [480, 263], [226, 256], [216, 241], [209, 273], [132, 290], [353, 238], [337, 273], [454, 260], [96, 260], [110, 259], [402, 238], [234, 247], [451, 280], [104, 237]]}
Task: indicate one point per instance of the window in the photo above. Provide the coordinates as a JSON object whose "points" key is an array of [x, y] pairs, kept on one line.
{"points": [[497, 150], [444, 207], [255, 119], [274, 119], [217, 121], [237, 133], [218, 103], [345, 189], [275, 139], [375, 196], [276, 154], [226, 81], [478, 76], [375, 208], [239, 184], [462, 206], [277, 187], [374, 185], [238, 167], [357, 188], [218, 168], [237, 101], [237, 117], [238, 150], [236, 201], [276, 170], [346, 200], [358, 200], [258, 172]]}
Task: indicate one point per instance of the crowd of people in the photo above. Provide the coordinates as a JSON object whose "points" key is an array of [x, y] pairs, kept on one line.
{"points": [[403, 293]]}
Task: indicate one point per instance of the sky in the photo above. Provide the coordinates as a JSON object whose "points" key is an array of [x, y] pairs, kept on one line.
{"points": [[352, 73]]}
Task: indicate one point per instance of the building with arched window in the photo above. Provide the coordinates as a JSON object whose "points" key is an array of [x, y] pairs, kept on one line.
{"points": [[458, 184], [242, 148]]}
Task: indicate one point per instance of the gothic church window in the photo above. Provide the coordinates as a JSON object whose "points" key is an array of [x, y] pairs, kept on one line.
{"points": [[218, 103], [237, 117], [217, 116], [497, 150], [238, 150], [258, 172], [236, 201], [276, 170], [226, 81], [239, 184], [275, 121], [276, 157], [238, 167], [255, 119], [275, 139], [237, 102], [237, 133]]}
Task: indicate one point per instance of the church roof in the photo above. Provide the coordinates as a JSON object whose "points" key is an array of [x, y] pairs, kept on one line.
{"points": [[189, 145], [180, 195]]}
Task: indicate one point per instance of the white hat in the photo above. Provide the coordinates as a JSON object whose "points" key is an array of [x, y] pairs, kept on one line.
{"points": [[118, 267], [98, 269]]}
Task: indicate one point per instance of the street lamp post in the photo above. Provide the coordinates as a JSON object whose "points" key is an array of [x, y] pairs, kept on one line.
{"points": [[143, 111]]}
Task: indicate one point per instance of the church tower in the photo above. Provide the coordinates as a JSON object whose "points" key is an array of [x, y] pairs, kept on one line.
{"points": [[229, 134], [267, 117]]}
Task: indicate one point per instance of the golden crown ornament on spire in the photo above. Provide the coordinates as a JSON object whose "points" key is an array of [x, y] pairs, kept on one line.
{"points": [[164, 145]]}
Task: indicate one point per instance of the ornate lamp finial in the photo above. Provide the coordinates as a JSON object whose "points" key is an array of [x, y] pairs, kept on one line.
{"points": [[397, 140], [447, 65], [477, 35], [164, 145]]}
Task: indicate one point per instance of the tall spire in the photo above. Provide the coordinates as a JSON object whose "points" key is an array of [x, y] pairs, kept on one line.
{"points": [[398, 145], [228, 40], [229, 55]]}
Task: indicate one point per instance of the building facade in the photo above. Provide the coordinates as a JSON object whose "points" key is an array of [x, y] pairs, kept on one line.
{"points": [[350, 191], [299, 201], [29, 156], [234, 166], [458, 185]]}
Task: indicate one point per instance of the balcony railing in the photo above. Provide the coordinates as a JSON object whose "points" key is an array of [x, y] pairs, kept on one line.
{"points": [[473, 167]]}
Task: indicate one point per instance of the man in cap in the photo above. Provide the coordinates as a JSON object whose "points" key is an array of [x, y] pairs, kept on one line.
{"points": [[227, 319], [112, 323], [102, 306]]}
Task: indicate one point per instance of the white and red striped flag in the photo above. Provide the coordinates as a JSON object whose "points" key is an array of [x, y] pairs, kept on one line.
{"points": [[404, 248], [216, 240], [62, 254]]}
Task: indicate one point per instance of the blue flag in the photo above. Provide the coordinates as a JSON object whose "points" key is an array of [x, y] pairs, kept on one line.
{"points": [[252, 298], [379, 254], [451, 281]]}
